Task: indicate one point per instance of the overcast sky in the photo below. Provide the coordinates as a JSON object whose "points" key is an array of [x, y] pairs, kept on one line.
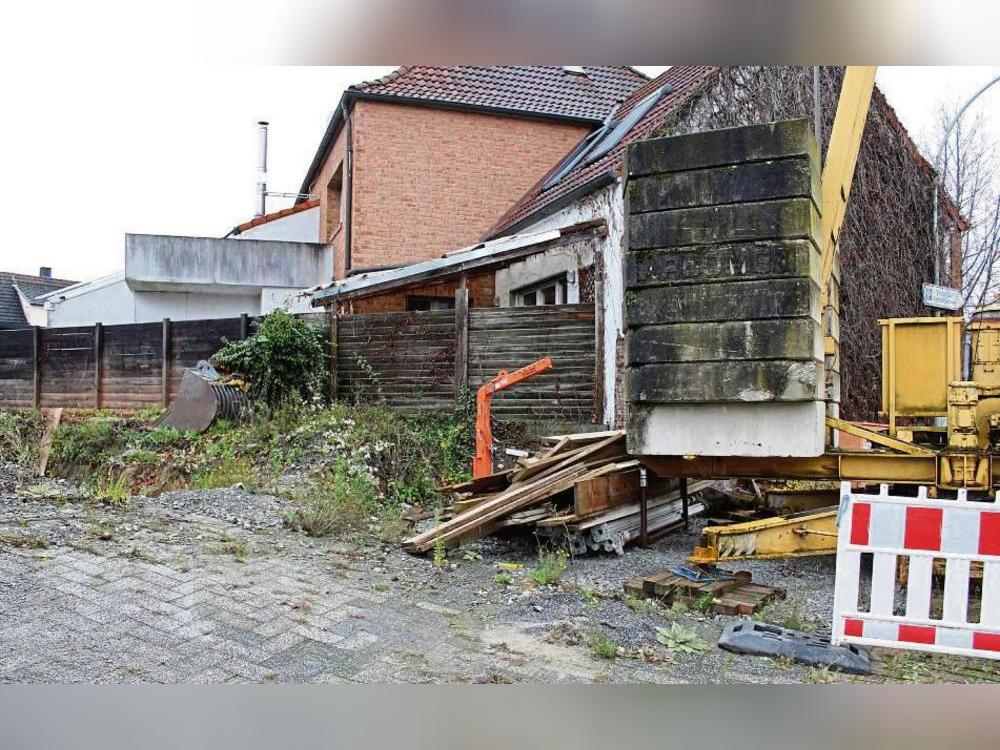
{"points": [[89, 154]]}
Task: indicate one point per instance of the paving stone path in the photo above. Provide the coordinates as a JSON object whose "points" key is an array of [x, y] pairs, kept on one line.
{"points": [[156, 593]]}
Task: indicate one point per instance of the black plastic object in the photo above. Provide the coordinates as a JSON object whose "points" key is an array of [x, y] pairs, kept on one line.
{"points": [[761, 639]]}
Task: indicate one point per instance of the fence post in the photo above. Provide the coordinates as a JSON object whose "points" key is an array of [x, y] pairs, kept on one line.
{"points": [[461, 340], [334, 324], [165, 364], [599, 383], [36, 334], [98, 369]]}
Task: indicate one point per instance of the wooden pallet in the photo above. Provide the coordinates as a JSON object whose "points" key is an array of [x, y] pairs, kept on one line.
{"points": [[735, 596]]}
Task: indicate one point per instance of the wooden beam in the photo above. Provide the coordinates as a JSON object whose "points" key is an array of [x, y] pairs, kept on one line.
{"points": [[98, 369], [165, 364], [334, 330], [461, 339], [36, 334], [599, 340]]}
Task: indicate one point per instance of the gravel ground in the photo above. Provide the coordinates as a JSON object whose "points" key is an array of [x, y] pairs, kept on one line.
{"points": [[209, 586]]}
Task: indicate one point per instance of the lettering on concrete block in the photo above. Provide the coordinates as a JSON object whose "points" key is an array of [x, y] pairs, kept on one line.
{"points": [[720, 147], [749, 381], [794, 339], [793, 218], [743, 261], [791, 177], [738, 300]]}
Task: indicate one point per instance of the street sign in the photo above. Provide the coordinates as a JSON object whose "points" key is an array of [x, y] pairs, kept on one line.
{"points": [[943, 297]]}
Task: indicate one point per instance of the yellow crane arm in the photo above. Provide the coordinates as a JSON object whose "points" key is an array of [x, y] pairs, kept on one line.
{"points": [[841, 158]]}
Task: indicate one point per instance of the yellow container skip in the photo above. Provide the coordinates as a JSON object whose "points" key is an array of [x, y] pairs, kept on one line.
{"points": [[920, 357]]}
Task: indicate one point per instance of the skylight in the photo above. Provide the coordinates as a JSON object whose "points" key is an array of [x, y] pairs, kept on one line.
{"points": [[606, 137]]}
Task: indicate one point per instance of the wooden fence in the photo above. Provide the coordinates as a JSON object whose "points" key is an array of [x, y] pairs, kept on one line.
{"points": [[414, 360]]}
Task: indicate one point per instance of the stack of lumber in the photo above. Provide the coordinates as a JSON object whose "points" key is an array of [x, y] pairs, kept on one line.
{"points": [[732, 595], [583, 486]]}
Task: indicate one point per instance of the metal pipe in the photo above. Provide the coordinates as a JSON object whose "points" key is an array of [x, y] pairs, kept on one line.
{"points": [[261, 168], [347, 183], [643, 509], [817, 109]]}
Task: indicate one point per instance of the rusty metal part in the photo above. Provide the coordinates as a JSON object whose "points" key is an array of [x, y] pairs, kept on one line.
{"points": [[798, 535], [200, 401]]}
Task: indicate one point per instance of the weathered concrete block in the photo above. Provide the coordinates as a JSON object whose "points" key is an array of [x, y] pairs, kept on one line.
{"points": [[745, 261], [721, 147], [737, 300], [720, 342], [791, 218], [733, 429], [790, 177], [748, 380]]}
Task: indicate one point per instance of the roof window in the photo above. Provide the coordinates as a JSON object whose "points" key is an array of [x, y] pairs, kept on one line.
{"points": [[606, 137]]}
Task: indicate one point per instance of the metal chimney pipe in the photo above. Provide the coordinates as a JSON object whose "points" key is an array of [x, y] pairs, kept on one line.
{"points": [[261, 168]]}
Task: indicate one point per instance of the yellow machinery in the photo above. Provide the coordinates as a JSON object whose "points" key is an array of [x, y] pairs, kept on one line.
{"points": [[942, 430]]}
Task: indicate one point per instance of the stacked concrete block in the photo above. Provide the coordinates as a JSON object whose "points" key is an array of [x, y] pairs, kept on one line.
{"points": [[724, 347]]}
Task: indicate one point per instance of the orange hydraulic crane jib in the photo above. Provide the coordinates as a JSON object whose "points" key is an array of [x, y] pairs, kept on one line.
{"points": [[482, 462]]}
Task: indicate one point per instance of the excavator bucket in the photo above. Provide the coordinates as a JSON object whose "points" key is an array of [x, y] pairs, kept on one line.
{"points": [[200, 401]]}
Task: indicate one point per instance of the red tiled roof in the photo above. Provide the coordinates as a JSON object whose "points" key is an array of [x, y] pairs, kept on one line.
{"points": [[685, 80], [542, 90], [274, 215]]}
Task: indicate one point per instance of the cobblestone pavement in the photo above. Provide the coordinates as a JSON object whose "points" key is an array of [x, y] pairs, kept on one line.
{"points": [[157, 594]]}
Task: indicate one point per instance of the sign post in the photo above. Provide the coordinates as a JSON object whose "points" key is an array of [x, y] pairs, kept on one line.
{"points": [[943, 297]]}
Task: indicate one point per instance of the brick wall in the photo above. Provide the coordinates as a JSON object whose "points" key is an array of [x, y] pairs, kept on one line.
{"points": [[429, 180], [481, 294]]}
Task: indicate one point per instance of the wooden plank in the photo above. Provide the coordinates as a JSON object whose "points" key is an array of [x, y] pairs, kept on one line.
{"points": [[165, 364], [604, 492], [461, 339], [608, 448], [45, 447], [98, 368], [512, 500], [36, 365], [583, 437], [599, 365], [334, 352]]}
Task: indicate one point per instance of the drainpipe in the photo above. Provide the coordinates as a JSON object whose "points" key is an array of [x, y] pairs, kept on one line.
{"points": [[347, 187]]}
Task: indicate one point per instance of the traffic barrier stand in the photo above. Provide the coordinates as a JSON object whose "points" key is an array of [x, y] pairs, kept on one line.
{"points": [[960, 532]]}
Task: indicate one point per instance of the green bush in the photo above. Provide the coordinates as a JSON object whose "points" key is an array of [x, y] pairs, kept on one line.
{"points": [[20, 434], [340, 502], [283, 359]]}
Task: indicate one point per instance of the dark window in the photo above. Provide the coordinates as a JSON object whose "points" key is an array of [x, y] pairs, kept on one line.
{"points": [[429, 303], [549, 292]]}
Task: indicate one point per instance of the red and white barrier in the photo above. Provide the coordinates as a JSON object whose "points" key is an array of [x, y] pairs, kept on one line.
{"points": [[959, 531]]}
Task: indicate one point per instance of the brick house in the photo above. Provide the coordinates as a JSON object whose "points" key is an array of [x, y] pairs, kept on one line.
{"points": [[426, 158]]}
